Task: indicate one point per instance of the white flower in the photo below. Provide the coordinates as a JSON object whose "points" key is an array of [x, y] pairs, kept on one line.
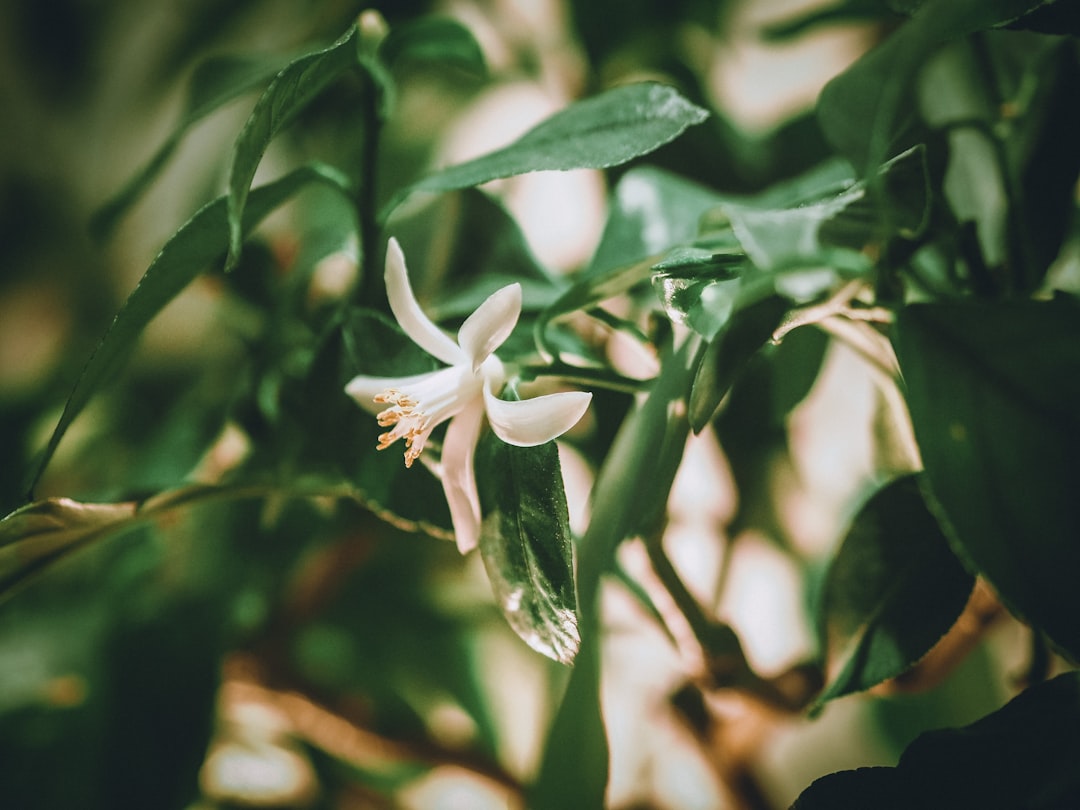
{"points": [[464, 393]]}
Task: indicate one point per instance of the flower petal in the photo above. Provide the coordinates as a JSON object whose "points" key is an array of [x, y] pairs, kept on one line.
{"points": [[537, 420], [492, 322], [364, 389], [410, 317], [458, 477]]}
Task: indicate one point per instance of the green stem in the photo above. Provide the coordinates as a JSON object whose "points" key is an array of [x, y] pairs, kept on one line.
{"points": [[372, 290]]}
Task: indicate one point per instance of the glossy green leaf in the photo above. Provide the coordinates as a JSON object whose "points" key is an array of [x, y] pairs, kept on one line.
{"points": [[994, 395], [599, 132], [296, 86], [525, 544], [864, 109], [1023, 755], [699, 288], [629, 498], [433, 39], [192, 248], [893, 590], [214, 83]]}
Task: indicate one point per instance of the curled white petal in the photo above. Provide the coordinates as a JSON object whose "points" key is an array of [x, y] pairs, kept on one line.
{"points": [[410, 316], [490, 324], [534, 421], [458, 478]]}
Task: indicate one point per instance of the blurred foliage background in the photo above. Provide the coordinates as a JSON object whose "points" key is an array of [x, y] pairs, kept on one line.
{"points": [[262, 649]]}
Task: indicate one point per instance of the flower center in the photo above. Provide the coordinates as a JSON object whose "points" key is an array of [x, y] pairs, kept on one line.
{"points": [[416, 409]]}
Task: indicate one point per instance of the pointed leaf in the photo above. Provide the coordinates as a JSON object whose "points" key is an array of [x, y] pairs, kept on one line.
{"points": [[199, 241], [296, 86], [994, 395], [214, 83], [525, 543], [892, 591], [606, 130]]}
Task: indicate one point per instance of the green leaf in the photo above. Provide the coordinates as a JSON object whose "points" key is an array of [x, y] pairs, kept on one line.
{"points": [[651, 212], [727, 355], [214, 83], [892, 591], [862, 111], [191, 249], [597, 133], [296, 86], [796, 228], [1023, 755], [525, 543], [39, 534], [844, 11], [629, 497], [433, 39], [319, 434], [699, 288], [994, 395]]}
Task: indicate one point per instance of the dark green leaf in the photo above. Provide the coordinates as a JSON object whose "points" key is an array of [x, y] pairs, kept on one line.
{"points": [[1023, 755], [892, 591], [214, 83], [994, 395], [199, 241], [599, 132], [320, 434], [845, 11], [433, 39], [727, 355], [296, 86], [862, 111], [525, 543]]}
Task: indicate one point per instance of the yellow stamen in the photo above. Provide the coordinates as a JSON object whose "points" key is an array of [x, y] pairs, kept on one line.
{"points": [[409, 423]]}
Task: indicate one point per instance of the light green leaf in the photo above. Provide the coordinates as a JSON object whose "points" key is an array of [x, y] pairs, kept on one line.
{"points": [[192, 248], [841, 214], [893, 590], [994, 395], [213, 84], [525, 543], [296, 86], [603, 131]]}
